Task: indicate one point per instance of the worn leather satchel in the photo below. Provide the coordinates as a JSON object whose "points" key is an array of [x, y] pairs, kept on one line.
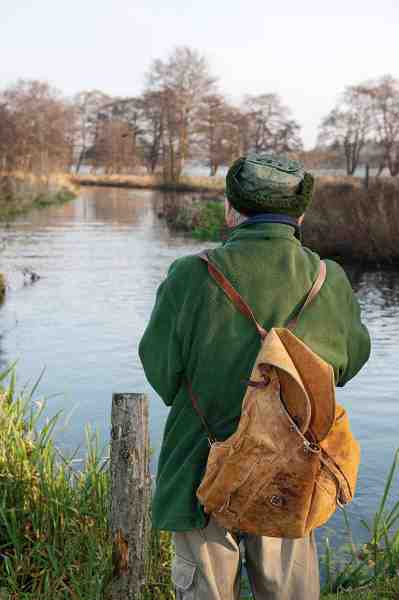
{"points": [[293, 458]]}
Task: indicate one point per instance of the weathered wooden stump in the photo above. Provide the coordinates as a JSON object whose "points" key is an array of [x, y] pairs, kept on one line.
{"points": [[130, 490]]}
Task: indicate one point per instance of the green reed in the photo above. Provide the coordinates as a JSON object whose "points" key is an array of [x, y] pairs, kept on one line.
{"points": [[54, 536], [372, 565]]}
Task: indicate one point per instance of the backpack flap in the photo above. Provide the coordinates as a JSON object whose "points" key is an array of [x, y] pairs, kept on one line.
{"points": [[317, 376], [292, 390]]}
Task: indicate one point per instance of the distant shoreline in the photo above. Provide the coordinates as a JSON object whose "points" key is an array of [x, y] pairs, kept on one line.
{"points": [[152, 182], [22, 192]]}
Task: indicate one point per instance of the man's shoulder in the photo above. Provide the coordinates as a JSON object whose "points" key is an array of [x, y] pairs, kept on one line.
{"points": [[186, 271], [335, 273], [186, 264]]}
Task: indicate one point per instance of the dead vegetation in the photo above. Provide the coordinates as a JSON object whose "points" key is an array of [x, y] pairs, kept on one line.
{"points": [[358, 225]]}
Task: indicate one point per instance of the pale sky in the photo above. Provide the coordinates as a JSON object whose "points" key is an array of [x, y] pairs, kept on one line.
{"points": [[305, 51]]}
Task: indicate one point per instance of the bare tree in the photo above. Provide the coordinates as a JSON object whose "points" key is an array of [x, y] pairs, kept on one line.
{"points": [[181, 82], [384, 96], [217, 132], [116, 146], [151, 132], [40, 119], [87, 105], [7, 138], [269, 125], [347, 127]]}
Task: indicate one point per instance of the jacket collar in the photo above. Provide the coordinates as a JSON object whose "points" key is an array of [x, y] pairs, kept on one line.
{"points": [[254, 231], [275, 218]]}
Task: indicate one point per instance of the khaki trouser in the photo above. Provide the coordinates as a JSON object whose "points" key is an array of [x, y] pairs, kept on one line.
{"points": [[207, 566]]}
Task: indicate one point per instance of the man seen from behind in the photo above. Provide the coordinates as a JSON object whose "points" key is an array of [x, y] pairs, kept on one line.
{"points": [[196, 335]]}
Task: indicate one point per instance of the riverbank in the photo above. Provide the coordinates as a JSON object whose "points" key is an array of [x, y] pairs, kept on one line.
{"points": [[21, 192], [345, 221], [54, 536], [152, 182]]}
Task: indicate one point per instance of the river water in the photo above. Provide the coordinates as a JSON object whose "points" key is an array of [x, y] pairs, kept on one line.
{"points": [[100, 259]]}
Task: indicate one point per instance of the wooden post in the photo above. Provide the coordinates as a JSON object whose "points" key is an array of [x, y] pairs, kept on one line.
{"points": [[130, 493], [366, 176]]}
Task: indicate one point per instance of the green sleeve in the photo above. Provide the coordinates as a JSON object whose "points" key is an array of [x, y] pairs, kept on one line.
{"points": [[159, 348], [358, 339]]}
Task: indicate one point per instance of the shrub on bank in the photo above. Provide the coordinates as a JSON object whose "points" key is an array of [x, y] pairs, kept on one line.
{"points": [[19, 193], [209, 222], [200, 216], [44, 200]]}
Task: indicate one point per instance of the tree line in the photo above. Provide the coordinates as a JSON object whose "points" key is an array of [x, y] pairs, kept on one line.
{"points": [[364, 126], [182, 115]]}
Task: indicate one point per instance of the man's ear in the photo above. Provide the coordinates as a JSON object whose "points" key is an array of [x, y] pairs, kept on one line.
{"points": [[227, 212], [301, 218]]}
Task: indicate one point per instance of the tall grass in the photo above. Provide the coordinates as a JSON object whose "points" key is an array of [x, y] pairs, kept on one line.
{"points": [[374, 564], [159, 584], [54, 536]]}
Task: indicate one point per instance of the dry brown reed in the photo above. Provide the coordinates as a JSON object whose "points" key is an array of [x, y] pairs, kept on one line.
{"points": [[185, 183], [19, 192], [353, 223]]}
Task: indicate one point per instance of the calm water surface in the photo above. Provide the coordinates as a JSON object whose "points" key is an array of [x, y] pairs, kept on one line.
{"points": [[100, 259]]}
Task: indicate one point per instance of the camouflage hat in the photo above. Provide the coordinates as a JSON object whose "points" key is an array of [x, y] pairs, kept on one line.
{"points": [[269, 183]]}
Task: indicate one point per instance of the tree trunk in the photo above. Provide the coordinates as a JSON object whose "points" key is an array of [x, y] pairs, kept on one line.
{"points": [[79, 163], [381, 167], [213, 169], [130, 493], [366, 176]]}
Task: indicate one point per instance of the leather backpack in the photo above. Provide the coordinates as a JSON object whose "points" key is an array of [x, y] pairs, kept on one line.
{"points": [[292, 459]]}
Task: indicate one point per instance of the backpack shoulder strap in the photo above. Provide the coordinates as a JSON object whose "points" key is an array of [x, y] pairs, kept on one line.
{"points": [[232, 293], [318, 284], [243, 307]]}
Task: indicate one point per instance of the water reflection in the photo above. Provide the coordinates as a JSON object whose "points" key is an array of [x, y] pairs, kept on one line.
{"points": [[383, 285]]}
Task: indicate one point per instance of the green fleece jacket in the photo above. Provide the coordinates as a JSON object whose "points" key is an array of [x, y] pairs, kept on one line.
{"points": [[195, 331]]}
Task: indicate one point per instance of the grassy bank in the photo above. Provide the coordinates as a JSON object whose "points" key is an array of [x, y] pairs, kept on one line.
{"points": [[345, 220], [200, 216], [152, 182], [55, 541], [20, 193]]}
